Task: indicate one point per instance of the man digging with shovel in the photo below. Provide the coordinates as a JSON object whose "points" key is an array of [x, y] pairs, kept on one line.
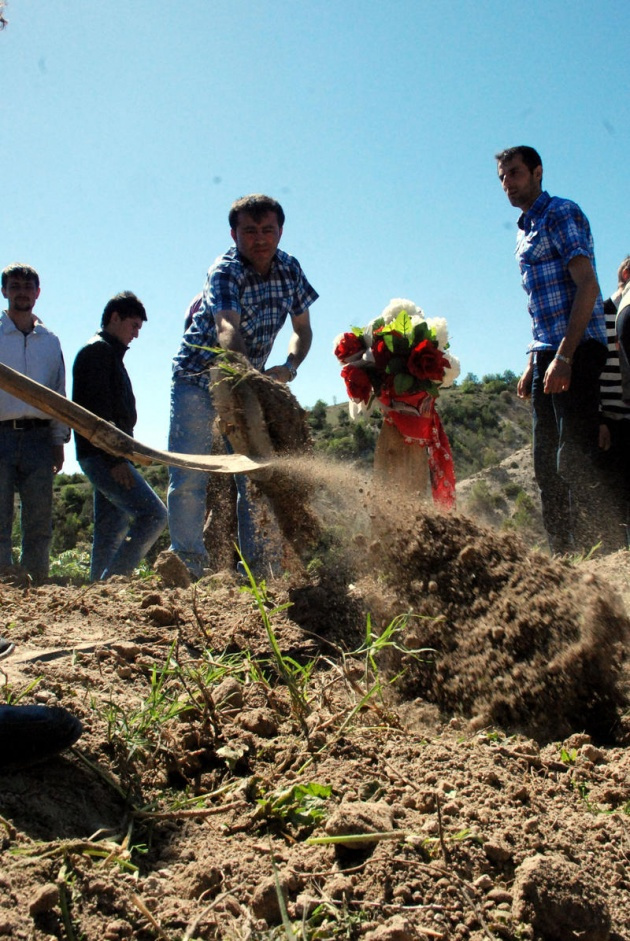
{"points": [[249, 292]]}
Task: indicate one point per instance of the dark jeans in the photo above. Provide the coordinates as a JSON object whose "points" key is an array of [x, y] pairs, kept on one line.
{"points": [[26, 462], [614, 467], [565, 429], [126, 522]]}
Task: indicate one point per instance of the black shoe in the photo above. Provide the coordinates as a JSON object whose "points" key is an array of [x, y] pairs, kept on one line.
{"points": [[6, 647], [31, 734]]}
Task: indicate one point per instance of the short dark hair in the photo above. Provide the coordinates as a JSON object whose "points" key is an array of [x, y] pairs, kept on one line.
{"points": [[18, 270], [624, 266], [257, 206], [530, 157], [126, 305]]}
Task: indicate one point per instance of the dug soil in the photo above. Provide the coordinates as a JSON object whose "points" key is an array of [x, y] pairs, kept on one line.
{"points": [[421, 730]]}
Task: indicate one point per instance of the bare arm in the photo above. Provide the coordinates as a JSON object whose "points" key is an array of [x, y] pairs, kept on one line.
{"points": [[299, 345], [228, 324], [558, 375], [524, 387]]}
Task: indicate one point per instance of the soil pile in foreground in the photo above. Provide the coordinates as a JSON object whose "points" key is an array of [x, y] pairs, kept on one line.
{"points": [[520, 640]]}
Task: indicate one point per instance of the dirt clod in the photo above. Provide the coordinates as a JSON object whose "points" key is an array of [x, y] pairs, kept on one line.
{"points": [[559, 900]]}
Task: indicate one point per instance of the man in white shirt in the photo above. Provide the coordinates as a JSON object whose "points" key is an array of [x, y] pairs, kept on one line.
{"points": [[31, 444]]}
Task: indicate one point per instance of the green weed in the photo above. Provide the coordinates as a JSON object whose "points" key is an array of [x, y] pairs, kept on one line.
{"points": [[302, 805], [578, 558], [568, 756], [12, 697], [295, 675], [137, 732], [72, 565]]}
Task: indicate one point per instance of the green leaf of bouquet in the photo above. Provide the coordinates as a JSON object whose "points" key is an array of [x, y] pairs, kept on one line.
{"points": [[358, 331], [397, 364], [402, 383], [402, 345], [402, 324], [388, 341], [420, 332]]}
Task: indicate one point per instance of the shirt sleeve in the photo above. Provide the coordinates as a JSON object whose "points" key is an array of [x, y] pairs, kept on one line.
{"points": [[569, 232], [222, 291], [60, 431], [304, 295]]}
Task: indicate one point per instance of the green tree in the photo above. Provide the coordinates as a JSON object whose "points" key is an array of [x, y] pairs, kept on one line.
{"points": [[317, 417], [343, 418]]}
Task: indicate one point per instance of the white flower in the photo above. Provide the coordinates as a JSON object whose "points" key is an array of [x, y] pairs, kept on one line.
{"points": [[401, 303], [440, 328], [368, 332], [358, 410], [450, 375]]}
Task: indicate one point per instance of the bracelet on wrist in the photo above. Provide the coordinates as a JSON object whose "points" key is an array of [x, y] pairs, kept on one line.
{"points": [[563, 359], [292, 370]]}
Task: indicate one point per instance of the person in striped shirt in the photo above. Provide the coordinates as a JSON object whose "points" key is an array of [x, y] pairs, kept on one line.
{"points": [[614, 430]]}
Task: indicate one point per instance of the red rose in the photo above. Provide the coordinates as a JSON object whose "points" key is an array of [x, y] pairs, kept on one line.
{"points": [[357, 383], [349, 345], [381, 354], [427, 362]]}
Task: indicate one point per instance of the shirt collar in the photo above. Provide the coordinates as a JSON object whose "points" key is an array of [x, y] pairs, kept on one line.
{"points": [[535, 210], [113, 341], [10, 325]]}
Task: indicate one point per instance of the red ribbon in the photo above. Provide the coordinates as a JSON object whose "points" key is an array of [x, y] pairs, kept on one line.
{"points": [[420, 424]]}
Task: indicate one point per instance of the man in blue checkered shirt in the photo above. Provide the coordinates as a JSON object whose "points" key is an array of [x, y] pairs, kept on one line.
{"points": [[555, 253], [249, 293]]}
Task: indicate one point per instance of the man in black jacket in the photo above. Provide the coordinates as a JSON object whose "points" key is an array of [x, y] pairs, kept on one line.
{"points": [[128, 515]]}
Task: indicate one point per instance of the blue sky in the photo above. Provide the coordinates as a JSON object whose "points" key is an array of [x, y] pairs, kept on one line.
{"points": [[129, 128]]}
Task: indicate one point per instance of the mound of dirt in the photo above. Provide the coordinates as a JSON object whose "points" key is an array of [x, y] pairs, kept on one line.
{"points": [[520, 640]]}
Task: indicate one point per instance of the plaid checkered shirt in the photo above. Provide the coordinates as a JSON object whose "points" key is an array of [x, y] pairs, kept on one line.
{"points": [[551, 233], [263, 305]]}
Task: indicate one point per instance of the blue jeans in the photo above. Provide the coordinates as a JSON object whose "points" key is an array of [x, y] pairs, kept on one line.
{"points": [[26, 463], [565, 427], [126, 522], [191, 421]]}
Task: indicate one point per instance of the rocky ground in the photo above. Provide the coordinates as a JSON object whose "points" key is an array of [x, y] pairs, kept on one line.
{"points": [[424, 734]]}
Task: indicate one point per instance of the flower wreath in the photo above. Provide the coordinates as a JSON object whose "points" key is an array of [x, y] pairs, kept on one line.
{"points": [[398, 361]]}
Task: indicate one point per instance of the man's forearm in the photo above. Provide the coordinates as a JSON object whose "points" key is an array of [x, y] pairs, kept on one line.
{"points": [[587, 290], [228, 333], [581, 313], [299, 345]]}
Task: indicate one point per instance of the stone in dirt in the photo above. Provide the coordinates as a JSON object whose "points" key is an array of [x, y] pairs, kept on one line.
{"points": [[560, 900], [172, 570]]}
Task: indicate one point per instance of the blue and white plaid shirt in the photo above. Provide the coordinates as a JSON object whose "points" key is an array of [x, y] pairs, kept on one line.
{"points": [[551, 233], [263, 305]]}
